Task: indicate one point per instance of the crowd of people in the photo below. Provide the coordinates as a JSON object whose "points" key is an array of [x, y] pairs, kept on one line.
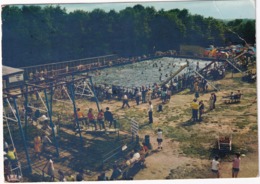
{"points": [[103, 120]]}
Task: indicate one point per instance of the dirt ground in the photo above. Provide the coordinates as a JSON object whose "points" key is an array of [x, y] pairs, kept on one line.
{"points": [[188, 148]]}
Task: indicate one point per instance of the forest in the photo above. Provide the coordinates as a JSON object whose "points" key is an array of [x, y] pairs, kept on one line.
{"points": [[33, 35]]}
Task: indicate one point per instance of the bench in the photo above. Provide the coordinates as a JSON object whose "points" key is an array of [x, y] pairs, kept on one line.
{"points": [[231, 99]]}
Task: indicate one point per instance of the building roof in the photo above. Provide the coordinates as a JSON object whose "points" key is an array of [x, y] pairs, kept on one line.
{"points": [[7, 70]]}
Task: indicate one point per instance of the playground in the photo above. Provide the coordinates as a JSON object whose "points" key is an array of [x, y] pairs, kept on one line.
{"points": [[77, 147]]}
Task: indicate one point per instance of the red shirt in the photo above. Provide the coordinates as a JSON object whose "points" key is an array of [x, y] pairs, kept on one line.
{"points": [[100, 115], [236, 163], [91, 116]]}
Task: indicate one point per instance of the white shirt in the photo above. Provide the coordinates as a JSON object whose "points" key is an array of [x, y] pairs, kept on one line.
{"points": [[150, 108], [159, 135], [215, 165], [136, 157], [125, 97]]}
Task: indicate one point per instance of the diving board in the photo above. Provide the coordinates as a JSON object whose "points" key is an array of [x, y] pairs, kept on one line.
{"points": [[173, 75], [233, 65], [207, 81], [207, 66]]}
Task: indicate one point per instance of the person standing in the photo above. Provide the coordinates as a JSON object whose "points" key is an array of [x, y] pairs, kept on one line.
{"points": [[109, 117], [163, 96], [215, 166], [150, 112], [169, 94], [214, 100], [125, 101], [7, 170], [143, 94], [45, 141], [195, 108], [149, 94], [159, 138], [137, 97], [37, 146], [236, 165], [211, 102], [50, 168], [201, 109]]}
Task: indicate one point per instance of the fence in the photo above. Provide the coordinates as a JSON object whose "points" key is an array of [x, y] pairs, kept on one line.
{"points": [[63, 67]]}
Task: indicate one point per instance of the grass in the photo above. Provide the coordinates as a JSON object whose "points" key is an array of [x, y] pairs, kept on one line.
{"points": [[178, 133], [254, 127], [238, 108], [173, 118], [243, 142], [242, 123], [194, 149]]}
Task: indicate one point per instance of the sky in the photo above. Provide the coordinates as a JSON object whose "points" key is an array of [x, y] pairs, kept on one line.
{"points": [[220, 9]]}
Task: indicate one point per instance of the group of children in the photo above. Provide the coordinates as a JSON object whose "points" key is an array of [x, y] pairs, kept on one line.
{"points": [[215, 166]]}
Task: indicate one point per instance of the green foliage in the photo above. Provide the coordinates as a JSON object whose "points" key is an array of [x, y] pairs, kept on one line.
{"points": [[35, 35]]}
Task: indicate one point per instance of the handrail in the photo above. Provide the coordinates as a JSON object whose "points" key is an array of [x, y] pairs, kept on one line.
{"points": [[63, 62]]}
